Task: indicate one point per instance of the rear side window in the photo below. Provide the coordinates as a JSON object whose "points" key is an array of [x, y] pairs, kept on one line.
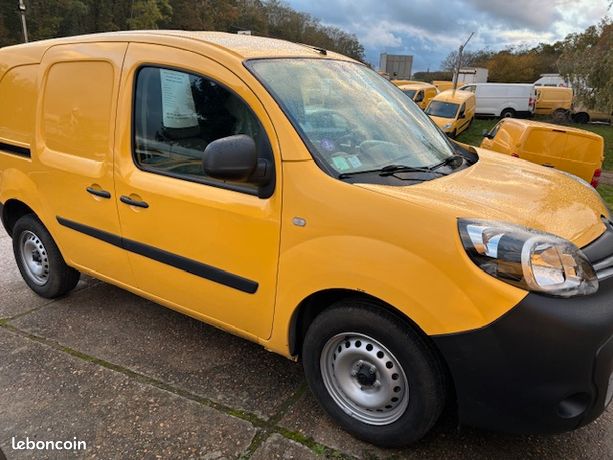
{"points": [[177, 114], [77, 108]]}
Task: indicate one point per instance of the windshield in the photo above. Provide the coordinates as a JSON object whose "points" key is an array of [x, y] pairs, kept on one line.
{"points": [[442, 109], [351, 118], [410, 92]]}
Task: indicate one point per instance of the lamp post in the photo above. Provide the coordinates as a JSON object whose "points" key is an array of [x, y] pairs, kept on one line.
{"points": [[22, 11], [460, 51]]}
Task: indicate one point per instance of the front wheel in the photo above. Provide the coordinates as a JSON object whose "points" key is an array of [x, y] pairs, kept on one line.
{"points": [[39, 260], [373, 374]]}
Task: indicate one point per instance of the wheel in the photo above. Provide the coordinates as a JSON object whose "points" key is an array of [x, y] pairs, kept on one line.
{"points": [[507, 113], [373, 374], [39, 260], [581, 117], [560, 115]]}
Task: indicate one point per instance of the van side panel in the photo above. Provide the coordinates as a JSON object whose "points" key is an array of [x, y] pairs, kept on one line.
{"points": [[73, 152], [18, 96]]}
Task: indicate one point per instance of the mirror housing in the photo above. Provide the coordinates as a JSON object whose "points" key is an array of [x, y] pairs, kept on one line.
{"points": [[485, 133], [419, 97], [234, 158]]}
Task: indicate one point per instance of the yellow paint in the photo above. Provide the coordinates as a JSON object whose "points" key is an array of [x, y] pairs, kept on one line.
{"points": [[399, 244], [573, 150], [552, 98]]}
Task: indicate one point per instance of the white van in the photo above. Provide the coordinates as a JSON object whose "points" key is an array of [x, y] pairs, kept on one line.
{"points": [[504, 99]]}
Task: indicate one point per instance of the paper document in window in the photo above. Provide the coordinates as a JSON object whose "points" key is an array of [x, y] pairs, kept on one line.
{"points": [[179, 110]]}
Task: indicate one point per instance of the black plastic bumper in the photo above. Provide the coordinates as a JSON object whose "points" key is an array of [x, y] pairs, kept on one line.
{"points": [[544, 367]]}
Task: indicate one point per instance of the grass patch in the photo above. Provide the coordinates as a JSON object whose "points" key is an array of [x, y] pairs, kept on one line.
{"points": [[473, 135], [607, 193]]}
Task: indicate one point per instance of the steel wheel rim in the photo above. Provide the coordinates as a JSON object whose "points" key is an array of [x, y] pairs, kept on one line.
{"points": [[34, 258], [364, 378]]}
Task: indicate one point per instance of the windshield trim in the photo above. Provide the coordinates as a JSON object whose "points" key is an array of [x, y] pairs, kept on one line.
{"points": [[312, 149]]}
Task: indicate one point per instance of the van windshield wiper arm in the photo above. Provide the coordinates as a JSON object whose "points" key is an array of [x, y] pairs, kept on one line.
{"points": [[446, 161], [392, 169]]}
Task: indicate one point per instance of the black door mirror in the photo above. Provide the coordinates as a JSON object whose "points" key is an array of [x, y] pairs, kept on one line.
{"points": [[419, 97], [234, 158], [486, 133]]}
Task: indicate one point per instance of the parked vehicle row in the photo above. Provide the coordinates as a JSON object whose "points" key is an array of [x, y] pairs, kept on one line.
{"points": [[245, 182]]}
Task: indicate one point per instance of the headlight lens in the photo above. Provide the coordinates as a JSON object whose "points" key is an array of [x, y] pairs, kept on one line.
{"points": [[527, 258]]}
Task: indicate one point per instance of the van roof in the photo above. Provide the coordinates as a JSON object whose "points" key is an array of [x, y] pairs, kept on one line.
{"points": [[240, 46], [449, 96], [416, 85], [527, 124]]}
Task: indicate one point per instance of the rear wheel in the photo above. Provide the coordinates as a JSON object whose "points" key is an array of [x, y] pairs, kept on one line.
{"points": [[560, 115], [373, 374], [507, 113], [581, 117], [39, 260]]}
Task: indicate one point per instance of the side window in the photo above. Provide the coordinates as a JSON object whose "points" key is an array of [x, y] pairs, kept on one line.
{"points": [[492, 133], [177, 114]]}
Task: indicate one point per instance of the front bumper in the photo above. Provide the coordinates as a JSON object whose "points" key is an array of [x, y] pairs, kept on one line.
{"points": [[546, 366]]}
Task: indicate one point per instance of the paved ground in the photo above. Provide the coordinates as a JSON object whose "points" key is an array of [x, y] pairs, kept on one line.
{"points": [[135, 380]]}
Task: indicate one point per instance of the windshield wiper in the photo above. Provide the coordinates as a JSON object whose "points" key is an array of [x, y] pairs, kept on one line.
{"points": [[393, 169], [446, 161]]}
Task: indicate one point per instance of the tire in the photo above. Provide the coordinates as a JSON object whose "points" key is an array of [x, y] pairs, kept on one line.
{"points": [[507, 113], [560, 115], [581, 117], [395, 380], [39, 260]]}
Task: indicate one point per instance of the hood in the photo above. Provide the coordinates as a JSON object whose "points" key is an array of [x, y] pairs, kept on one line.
{"points": [[440, 121], [503, 188]]}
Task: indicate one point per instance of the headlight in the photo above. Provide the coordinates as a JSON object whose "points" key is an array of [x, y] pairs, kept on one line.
{"points": [[527, 258], [447, 126]]}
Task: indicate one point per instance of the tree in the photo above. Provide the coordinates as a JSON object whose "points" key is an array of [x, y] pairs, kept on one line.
{"points": [[587, 63], [147, 14]]}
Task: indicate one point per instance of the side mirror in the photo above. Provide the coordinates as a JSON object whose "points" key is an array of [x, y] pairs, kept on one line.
{"points": [[486, 133], [419, 97], [234, 158], [462, 115]]}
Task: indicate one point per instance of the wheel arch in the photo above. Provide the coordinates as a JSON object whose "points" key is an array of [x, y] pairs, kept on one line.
{"points": [[12, 211]]}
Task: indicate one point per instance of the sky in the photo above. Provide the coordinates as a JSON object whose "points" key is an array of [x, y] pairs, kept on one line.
{"points": [[430, 29]]}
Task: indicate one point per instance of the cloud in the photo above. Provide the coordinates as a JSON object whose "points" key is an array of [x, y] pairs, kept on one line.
{"points": [[430, 29]]}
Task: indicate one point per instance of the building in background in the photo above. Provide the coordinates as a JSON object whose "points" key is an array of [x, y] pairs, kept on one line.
{"points": [[472, 75], [396, 66]]}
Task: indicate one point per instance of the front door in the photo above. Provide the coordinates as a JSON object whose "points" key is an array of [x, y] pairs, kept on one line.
{"points": [[207, 247]]}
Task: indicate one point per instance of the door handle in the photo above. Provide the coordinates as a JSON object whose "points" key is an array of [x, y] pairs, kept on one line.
{"points": [[129, 201], [98, 192]]}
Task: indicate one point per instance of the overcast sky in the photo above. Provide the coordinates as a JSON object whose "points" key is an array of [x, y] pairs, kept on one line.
{"points": [[430, 29]]}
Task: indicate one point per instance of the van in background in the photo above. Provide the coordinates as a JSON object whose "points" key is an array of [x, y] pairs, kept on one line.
{"points": [[506, 100], [452, 111], [573, 150], [555, 101], [443, 85], [421, 93]]}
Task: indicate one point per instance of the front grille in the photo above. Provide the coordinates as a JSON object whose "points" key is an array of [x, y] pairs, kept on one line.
{"points": [[600, 252]]}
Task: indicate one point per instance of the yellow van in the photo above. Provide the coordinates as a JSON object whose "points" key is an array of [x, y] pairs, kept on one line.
{"points": [[576, 151], [420, 93], [452, 111], [443, 85], [555, 101], [406, 272]]}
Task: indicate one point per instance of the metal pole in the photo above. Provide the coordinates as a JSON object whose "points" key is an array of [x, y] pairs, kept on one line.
{"points": [[460, 51], [22, 10]]}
